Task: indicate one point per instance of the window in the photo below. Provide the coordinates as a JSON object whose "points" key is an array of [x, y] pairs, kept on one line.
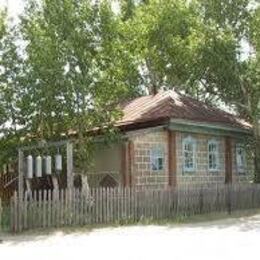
{"points": [[189, 154], [157, 158], [213, 155], [240, 158]]}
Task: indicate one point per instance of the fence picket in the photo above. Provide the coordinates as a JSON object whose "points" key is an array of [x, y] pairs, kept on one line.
{"points": [[15, 212], [41, 209]]}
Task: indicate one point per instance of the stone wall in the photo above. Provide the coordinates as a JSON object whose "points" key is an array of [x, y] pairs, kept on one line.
{"points": [[142, 173], [201, 175], [248, 175], [108, 161], [144, 176]]}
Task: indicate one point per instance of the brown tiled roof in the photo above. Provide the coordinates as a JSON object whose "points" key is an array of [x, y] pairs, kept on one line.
{"points": [[171, 105]]}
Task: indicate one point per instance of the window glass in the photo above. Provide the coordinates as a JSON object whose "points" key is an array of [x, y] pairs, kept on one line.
{"points": [[157, 158], [213, 155], [240, 158], [189, 154]]}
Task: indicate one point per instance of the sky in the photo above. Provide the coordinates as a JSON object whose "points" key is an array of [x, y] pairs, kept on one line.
{"points": [[15, 7]]}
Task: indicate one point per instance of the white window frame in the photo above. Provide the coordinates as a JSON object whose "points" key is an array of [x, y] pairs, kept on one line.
{"points": [[157, 153], [216, 153], [189, 141], [241, 169]]}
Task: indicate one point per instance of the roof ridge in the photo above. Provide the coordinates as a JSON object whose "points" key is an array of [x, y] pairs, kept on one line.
{"points": [[150, 104], [180, 106]]}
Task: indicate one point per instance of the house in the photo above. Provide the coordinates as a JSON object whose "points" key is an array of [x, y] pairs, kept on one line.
{"points": [[173, 140]]}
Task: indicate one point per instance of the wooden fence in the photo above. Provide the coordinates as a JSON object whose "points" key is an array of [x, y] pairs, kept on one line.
{"points": [[45, 209]]}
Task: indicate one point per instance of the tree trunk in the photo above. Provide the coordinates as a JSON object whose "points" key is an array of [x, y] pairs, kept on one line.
{"points": [[257, 162]]}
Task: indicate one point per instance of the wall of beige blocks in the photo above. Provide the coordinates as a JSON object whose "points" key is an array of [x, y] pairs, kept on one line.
{"points": [[109, 161], [144, 176], [249, 169], [201, 174], [142, 173]]}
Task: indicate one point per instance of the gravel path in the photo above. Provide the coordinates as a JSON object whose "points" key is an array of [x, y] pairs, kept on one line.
{"points": [[220, 240]]}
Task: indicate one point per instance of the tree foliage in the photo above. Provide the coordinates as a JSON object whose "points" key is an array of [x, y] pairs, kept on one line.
{"points": [[75, 70], [69, 63], [75, 65]]}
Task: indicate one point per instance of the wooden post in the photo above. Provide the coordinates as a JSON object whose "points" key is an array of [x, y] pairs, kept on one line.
{"points": [[55, 183], [70, 177], [20, 189], [127, 157], [130, 162], [172, 160], [228, 160], [28, 185], [20, 173], [124, 163]]}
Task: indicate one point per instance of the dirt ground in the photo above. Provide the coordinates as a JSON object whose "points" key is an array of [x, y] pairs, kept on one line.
{"points": [[220, 239]]}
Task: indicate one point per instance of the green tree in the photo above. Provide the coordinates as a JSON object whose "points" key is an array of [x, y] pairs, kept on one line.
{"points": [[127, 8], [226, 75], [2, 33], [164, 38], [195, 46], [250, 91], [76, 69], [227, 15], [10, 73]]}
